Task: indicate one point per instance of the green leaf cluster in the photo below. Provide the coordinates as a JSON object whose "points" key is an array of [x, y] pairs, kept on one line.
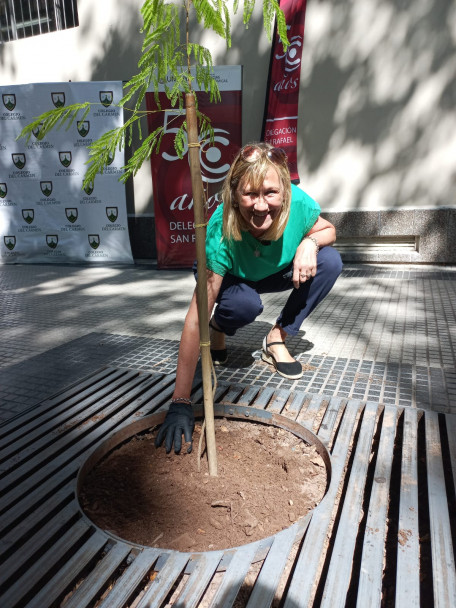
{"points": [[170, 59]]}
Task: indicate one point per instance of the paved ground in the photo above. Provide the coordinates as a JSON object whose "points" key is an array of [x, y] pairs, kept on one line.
{"points": [[384, 334]]}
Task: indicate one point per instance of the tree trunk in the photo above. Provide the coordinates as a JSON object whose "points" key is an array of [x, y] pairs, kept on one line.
{"points": [[200, 216]]}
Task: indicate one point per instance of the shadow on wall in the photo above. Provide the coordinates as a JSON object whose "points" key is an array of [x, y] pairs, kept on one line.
{"points": [[378, 91]]}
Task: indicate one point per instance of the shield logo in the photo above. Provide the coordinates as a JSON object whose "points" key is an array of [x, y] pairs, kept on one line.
{"points": [[65, 158], [89, 188], [72, 214], [58, 99], [19, 160], [46, 188], [112, 213], [3, 190], [37, 131], [52, 240], [111, 158], [94, 240], [9, 101], [28, 215], [106, 98], [10, 242], [83, 127]]}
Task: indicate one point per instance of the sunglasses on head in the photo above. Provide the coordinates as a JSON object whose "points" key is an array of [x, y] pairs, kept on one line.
{"points": [[251, 153]]}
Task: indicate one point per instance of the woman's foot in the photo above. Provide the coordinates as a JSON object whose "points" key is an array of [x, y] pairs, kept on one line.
{"points": [[219, 352], [276, 353]]}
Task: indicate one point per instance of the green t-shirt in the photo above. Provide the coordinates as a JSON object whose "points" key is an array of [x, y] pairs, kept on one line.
{"points": [[249, 258]]}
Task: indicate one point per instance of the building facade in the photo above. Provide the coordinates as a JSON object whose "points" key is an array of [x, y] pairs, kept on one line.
{"points": [[377, 119]]}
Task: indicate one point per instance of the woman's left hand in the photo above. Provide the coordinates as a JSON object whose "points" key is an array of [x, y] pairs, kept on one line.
{"points": [[305, 262]]}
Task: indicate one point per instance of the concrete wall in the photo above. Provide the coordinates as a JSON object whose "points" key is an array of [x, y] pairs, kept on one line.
{"points": [[377, 120]]}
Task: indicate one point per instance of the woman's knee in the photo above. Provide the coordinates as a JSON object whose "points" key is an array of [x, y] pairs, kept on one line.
{"points": [[330, 261], [239, 309]]}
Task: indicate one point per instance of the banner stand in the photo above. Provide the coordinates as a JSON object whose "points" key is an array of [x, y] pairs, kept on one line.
{"points": [[173, 204]]}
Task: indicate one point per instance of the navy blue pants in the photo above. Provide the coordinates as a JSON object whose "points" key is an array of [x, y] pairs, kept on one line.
{"points": [[239, 301]]}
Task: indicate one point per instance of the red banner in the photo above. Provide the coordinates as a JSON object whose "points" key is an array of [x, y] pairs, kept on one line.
{"points": [[173, 203], [281, 116]]}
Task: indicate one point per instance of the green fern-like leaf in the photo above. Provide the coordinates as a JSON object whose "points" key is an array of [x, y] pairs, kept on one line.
{"points": [[249, 5], [163, 54], [271, 10], [55, 119], [209, 16], [150, 145], [180, 140]]}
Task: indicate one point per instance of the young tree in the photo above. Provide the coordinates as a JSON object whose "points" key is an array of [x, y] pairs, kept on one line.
{"points": [[165, 53]]}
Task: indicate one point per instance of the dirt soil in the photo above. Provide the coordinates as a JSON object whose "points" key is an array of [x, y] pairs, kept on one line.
{"points": [[267, 479]]}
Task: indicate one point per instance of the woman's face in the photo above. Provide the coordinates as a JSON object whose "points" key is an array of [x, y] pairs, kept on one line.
{"points": [[259, 207]]}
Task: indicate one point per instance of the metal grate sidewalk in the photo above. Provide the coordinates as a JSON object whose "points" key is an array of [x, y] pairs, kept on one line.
{"points": [[383, 535]]}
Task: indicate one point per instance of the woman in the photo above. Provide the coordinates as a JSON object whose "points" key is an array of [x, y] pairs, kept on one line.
{"points": [[266, 236]]}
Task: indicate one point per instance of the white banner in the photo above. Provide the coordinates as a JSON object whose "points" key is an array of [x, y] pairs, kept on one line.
{"points": [[45, 215]]}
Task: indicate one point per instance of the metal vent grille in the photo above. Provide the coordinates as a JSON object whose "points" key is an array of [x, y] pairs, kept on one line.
{"points": [[378, 244], [25, 18]]}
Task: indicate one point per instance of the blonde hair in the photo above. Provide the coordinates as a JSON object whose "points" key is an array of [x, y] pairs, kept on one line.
{"points": [[244, 170]]}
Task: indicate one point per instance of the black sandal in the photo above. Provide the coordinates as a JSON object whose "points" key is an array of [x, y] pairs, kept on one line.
{"points": [[292, 371], [219, 356]]}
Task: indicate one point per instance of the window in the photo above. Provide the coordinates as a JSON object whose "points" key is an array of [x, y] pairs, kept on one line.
{"points": [[24, 18]]}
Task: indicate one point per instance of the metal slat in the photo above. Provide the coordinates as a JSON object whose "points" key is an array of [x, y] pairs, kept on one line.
{"points": [[338, 578], [37, 542], [24, 584], [278, 402], [248, 395], [34, 541], [40, 512], [130, 579], [263, 398], [370, 582], [234, 577], [69, 573], [307, 416], [221, 389], [329, 419], [451, 433], [98, 577], [266, 584], [231, 395], [408, 550], [75, 452], [206, 565], [306, 569], [443, 565], [163, 582], [61, 481], [51, 420], [104, 403], [294, 406], [11, 430]]}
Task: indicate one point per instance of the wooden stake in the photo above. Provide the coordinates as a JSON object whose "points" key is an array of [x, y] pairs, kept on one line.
{"points": [[200, 216]]}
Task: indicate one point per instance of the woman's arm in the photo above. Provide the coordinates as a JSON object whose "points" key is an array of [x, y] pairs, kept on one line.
{"points": [[189, 345], [305, 260]]}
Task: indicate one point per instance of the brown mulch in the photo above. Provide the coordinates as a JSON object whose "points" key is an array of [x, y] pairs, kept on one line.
{"points": [[267, 479]]}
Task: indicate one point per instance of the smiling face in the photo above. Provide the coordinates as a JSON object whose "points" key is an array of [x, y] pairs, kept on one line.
{"points": [[260, 206]]}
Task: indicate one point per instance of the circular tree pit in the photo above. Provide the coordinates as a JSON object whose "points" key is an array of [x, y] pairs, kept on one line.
{"points": [[271, 473]]}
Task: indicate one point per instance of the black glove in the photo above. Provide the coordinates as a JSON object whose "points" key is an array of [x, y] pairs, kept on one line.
{"points": [[179, 419]]}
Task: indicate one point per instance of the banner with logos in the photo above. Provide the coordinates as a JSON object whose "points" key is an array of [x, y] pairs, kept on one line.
{"points": [[45, 215], [281, 116], [173, 204]]}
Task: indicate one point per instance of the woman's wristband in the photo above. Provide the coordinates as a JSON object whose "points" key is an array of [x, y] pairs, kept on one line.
{"points": [[181, 400], [314, 240]]}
